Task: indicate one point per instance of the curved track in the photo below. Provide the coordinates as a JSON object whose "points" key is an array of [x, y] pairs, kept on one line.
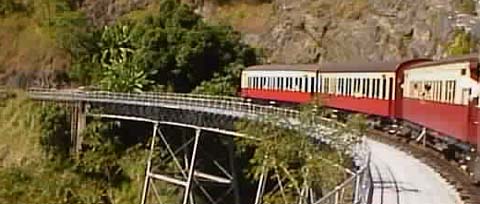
{"points": [[401, 179]]}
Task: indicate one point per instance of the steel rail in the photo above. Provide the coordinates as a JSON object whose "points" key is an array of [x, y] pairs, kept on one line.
{"points": [[360, 181]]}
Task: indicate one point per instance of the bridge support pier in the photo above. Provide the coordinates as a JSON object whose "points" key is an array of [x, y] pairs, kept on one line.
{"points": [[78, 122]]}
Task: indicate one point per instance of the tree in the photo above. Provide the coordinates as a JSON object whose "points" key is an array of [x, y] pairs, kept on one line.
{"points": [[173, 48], [294, 161]]}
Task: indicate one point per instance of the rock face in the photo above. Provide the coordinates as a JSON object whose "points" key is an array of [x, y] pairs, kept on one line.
{"points": [[107, 11], [309, 31]]}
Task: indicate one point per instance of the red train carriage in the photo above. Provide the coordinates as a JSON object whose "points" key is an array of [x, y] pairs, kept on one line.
{"points": [[438, 95], [285, 83], [359, 87]]}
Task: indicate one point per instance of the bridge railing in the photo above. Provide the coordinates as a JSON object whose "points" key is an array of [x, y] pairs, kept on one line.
{"points": [[356, 189]]}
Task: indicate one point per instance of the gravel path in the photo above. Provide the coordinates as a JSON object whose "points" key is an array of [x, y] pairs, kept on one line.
{"points": [[401, 179]]}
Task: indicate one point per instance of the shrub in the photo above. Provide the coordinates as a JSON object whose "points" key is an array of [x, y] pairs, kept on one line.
{"points": [[11, 6], [462, 44], [55, 137], [465, 6]]}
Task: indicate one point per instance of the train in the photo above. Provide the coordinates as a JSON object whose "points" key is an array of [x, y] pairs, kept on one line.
{"points": [[433, 101]]}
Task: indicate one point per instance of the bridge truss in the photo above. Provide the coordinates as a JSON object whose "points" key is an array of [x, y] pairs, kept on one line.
{"points": [[183, 171]]}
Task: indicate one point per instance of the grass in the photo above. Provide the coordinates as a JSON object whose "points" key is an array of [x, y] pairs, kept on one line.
{"points": [[352, 9], [465, 6], [244, 17], [26, 176], [19, 131], [26, 45]]}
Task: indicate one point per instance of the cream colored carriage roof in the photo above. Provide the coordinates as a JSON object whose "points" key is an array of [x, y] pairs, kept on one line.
{"points": [[390, 66]]}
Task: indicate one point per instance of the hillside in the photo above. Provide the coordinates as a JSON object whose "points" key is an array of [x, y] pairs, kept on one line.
{"points": [[302, 31], [32, 37]]}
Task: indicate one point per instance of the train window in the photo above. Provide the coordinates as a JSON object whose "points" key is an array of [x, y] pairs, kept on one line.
{"points": [[334, 86], [280, 83], [301, 84], [354, 85], [359, 85], [350, 86], [364, 90], [327, 84], [319, 84], [367, 94], [453, 91], [377, 93], [450, 91], [439, 90], [384, 88], [390, 88], [340, 86], [464, 72], [345, 86], [307, 84], [373, 88], [290, 84]]}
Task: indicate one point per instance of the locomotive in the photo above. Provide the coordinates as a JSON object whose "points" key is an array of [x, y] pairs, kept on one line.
{"points": [[435, 101]]}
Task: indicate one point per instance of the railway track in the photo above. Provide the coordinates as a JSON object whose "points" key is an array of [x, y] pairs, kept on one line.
{"points": [[469, 193]]}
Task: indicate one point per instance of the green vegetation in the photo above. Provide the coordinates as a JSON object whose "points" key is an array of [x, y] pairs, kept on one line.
{"points": [[31, 37], [8, 7], [465, 6], [19, 131], [172, 49], [462, 44], [293, 160], [35, 166], [245, 17]]}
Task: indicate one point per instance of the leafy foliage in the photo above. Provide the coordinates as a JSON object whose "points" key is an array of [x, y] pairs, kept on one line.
{"points": [[295, 161], [55, 132], [10, 6], [465, 6], [461, 44], [226, 84], [109, 160], [173, 48], [19, 130], [36, 184]]}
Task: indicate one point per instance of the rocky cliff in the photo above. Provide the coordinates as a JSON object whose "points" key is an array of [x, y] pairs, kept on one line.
{"points": [[305, 31]]}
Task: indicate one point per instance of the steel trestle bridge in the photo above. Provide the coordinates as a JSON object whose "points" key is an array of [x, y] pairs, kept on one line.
{"points": [[203, 115]]}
